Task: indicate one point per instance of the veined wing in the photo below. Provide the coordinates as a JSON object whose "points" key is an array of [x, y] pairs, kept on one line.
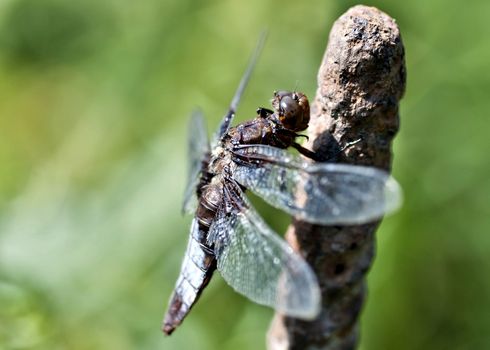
{"points": [[198, 148], [259, 264], [322, 193], [230, 114]]}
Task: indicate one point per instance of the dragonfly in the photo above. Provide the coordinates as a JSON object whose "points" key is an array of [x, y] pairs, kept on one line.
{"points": [[227, 234]]}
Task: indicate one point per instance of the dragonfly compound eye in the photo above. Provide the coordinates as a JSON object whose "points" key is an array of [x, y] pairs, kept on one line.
{"points": [[292, 109]]}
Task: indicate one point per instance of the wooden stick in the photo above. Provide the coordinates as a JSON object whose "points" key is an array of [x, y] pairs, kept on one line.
{"points": [[354, 119]]}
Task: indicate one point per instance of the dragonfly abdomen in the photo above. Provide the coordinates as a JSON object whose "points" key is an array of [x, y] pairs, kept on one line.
{"points": [[199, 261], [196, 271], [208, 205]]}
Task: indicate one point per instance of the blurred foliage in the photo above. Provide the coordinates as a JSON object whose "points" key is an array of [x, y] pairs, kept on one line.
{"points": [[95, 97], [53, 31]]}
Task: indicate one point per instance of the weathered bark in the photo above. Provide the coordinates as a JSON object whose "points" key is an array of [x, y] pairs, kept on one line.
{"points": [[354, 120]]}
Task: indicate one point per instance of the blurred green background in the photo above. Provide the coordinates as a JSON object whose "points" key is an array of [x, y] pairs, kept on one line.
{"points": [[94, 100]]}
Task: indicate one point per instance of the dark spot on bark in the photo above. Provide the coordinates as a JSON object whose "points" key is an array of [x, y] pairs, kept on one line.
{"points": [[339, 268]]}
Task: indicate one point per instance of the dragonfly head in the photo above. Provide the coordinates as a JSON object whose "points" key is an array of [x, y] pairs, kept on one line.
{"points": [[292, 109]]}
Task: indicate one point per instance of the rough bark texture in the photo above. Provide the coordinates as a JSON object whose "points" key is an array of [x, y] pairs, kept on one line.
{"points": [[354, 120]]}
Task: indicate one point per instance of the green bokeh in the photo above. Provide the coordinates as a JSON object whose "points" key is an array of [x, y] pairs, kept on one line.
{"points": [[94, 100]]}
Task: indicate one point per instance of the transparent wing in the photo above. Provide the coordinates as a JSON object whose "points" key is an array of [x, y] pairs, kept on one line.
{"points": [[260, 265], [230, 114], [198, 149], [320, 193]]}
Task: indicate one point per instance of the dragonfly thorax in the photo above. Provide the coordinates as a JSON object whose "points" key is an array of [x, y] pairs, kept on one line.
{"points": [[221, 161]]}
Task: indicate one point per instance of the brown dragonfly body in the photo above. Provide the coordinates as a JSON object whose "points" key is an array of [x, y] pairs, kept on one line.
{"points": [[276, 128]]}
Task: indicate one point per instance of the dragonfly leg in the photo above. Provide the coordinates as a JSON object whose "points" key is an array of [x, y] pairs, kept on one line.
{"points": [[264, 112], [306, 152]]}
